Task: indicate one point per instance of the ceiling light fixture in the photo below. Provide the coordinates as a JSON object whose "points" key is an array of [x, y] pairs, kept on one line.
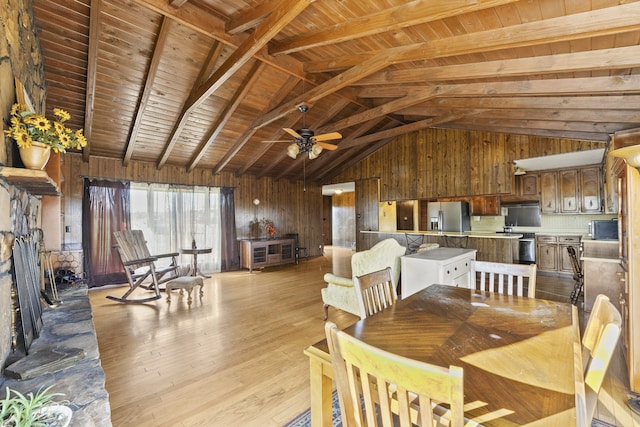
{"points": [[519, 171], [337, 191]]}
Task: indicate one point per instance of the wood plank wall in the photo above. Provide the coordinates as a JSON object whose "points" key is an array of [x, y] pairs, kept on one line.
{"points": [[434, 163], [293, 206]]}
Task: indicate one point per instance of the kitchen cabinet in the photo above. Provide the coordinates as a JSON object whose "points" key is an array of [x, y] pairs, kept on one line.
{"points": [[547, 253], [549, 192], [527, 185], [552, 254], [260, 253], [591, 193], [564, 262], [445, 266], [571, 191], [568, 180], [603, 273], [484, 205]]}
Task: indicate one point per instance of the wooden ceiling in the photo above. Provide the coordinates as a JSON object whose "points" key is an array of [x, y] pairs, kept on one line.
{"points": [[203, 83]]}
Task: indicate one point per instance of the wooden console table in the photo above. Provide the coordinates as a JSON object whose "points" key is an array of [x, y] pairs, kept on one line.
{"points": [[259, 253]]}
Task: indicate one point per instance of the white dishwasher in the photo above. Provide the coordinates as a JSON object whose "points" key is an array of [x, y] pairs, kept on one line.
{"points": [[444, 266]]}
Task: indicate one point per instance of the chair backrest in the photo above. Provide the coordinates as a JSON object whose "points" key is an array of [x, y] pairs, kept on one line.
{"points": [[575, 263], [383, 254], [398, 385], [132, 246], [504, 278], [599, 343], [413, 242], [374, 292]]}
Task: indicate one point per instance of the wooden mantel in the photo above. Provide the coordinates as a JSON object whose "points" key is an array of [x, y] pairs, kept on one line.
{"points": [[35, 182]]}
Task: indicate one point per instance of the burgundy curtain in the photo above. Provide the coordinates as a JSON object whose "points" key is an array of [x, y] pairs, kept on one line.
{"points": [[230, 256], [105, 209]]}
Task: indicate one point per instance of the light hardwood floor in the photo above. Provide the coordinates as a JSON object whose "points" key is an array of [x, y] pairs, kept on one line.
{"points": [[234, 358]]}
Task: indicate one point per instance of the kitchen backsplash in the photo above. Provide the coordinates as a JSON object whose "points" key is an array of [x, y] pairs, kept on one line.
{"points": [[550, 223]]}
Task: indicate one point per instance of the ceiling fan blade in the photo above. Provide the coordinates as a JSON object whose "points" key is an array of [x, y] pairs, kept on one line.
{"points": [[327, 146], [328, 136], [292, 132]]}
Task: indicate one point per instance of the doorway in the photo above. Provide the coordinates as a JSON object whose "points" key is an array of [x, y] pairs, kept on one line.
{"points": [[339, 215]]}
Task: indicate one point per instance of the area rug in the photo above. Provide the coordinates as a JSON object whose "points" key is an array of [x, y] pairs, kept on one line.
{"points": [[304, 419]]}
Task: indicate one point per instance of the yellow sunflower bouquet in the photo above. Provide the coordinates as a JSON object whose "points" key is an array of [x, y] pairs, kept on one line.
{"points": [[27, 127]]}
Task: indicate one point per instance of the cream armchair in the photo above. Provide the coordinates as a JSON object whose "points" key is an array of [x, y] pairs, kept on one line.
{"points": [[340, 292]]}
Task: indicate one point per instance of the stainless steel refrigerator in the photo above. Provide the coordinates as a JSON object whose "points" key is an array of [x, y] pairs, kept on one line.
{"points": [[448, 216]]}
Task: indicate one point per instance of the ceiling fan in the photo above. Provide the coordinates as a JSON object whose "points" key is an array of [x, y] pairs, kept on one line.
{"points": [[306, 141]]}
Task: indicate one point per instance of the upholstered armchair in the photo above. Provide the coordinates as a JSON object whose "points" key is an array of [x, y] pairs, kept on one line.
{"points": [[340, 292]]}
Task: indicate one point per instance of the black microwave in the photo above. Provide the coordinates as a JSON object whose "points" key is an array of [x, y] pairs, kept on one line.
{"points": [[604, 229]]}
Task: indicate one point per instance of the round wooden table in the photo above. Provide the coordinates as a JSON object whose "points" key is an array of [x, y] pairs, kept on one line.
{"points": [[195, 252]]}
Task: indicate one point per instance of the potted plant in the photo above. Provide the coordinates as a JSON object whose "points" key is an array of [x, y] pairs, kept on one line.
{"points": [[37, 136], [33, 410]]}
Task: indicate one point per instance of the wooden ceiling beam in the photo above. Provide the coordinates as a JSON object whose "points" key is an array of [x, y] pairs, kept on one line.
{"points": [[577, 102], [394, 18], [585, 86], [258, 152], [570, 115], [340, 155], [604, 59], [250, 17], [411, 127], [92, 67], [579, 136], [601, 22], [147, 89], [285, 13], [226, 115], [177, 3], [360, 155]]}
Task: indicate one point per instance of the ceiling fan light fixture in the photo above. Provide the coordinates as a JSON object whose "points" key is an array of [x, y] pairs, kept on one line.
{"points": [[315, 151], [519, 171], [293, 150]]}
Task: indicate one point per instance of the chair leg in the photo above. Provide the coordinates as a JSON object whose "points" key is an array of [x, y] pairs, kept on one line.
{"points": [[326, 312]]}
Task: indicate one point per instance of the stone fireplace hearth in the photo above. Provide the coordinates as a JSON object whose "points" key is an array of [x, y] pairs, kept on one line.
{"points": [[65, 354]]}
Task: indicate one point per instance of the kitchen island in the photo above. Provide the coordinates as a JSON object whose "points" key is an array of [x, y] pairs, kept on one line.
{"points": [[490, 246]]}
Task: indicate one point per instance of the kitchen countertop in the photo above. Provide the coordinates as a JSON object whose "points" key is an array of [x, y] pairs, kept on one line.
{"points": [[471, 234]]}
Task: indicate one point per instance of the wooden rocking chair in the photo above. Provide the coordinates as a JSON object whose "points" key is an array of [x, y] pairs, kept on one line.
{"points": [[139, 265]]}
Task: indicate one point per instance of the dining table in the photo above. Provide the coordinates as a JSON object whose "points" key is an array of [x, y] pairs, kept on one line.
{"points": [[521, 356]]}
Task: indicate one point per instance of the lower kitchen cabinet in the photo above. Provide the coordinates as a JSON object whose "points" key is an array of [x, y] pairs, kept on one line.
{"points": [[603, 272], [444, 266], [552, 254]]}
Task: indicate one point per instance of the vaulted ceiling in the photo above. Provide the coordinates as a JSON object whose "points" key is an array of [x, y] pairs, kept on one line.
{"points": [[204, 83]]}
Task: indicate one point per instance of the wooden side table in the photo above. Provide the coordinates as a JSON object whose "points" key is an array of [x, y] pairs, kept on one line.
{"points": [[195, 252]]}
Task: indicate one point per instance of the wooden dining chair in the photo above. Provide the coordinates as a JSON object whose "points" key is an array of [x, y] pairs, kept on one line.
{"points": [[382, 387], [375, 291], [599, 342], [503, 278]]}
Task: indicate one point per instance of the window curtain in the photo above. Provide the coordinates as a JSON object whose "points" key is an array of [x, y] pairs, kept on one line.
{"points": [[174, 217], [230, 257], [105, 209]]}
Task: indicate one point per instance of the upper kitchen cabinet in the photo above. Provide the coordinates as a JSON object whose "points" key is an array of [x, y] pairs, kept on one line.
{"points": [[568, 191], [591, 190], [571, 191], [549, 192], [527, 185], [484, 205]]}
